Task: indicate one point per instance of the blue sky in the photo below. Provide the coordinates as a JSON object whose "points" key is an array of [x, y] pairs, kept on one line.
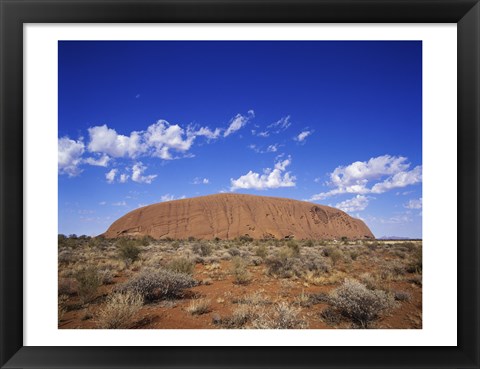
{"points": [[335, 123]]}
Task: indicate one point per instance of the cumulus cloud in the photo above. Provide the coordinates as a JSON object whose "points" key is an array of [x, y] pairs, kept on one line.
{"points": [[110, 176], [355, 178], [137, 171], [168, 197], [163, 137], [401, 179], [100, 162], [278, 177], [357, 203], [198, 180], [108, 141], [238, 122], [70, 156], [302, 136], [414, 204]]}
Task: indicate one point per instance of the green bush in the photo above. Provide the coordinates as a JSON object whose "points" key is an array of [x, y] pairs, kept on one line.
{"points": [[128, 251], [88, 281]]}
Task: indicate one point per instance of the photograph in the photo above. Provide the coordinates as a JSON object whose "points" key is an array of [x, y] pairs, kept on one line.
{"points": [[240, 184]]}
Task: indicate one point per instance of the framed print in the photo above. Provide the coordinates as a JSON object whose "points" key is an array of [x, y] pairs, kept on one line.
{"points": [[239, 184]]}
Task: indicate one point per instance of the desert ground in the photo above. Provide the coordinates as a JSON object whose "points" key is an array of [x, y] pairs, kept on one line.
{"points": [[142, 283]]}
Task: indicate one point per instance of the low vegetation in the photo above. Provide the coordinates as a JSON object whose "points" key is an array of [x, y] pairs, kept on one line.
{"points": [[241, 284]]}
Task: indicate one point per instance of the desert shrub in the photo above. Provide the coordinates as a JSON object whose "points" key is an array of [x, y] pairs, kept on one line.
{"points": [[316, 264], [308, 243], [282, 315], [88, 281], [128, 251], [402, 296], [245, 239], [199, 307], [294, 248], [119, 310], [66, 286], [282, 264], [336, 256], [331, 316], [62, 306], [106, 276], [202, 249], [416, 264], [356, 302], [240, 272], [181, 265], [261, 251], [66, 256], [392, 269], [234, 251], [154, 284], [354, 255]]}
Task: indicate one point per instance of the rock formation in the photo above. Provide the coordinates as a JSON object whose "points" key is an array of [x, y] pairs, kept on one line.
{"points": [[228, 216]]}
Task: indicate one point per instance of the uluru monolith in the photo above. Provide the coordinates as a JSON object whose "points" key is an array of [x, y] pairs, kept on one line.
{"points": [[228, 216]]}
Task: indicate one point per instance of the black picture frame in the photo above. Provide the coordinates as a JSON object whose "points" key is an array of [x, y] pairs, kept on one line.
{"points": [[14, 13]]}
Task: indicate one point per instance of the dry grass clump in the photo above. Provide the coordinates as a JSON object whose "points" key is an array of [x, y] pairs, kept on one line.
{"points": [[282, 264], [62, 306], [181, 265], [282, 315], [155, 284], [119, 310], [202, 249], [355, 301], [240, 272], [199, 306]]}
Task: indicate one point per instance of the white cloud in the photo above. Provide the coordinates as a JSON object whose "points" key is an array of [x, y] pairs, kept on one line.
{"points": [[163, 137], [269, 179], [137, 171], [238, 122], [302, 136], [401, 179], [168, 197], [102, 203], [108, 141], [110, 176], [100, 162], [206, 132], [198, 180], [123, 178], [355, 177], [270, 148], [119, 203], [70, 156], [414, 204], [357, 203], [280, 125]]}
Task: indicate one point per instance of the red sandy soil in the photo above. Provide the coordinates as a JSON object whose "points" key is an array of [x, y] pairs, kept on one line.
{"points": [[222, 292]]}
